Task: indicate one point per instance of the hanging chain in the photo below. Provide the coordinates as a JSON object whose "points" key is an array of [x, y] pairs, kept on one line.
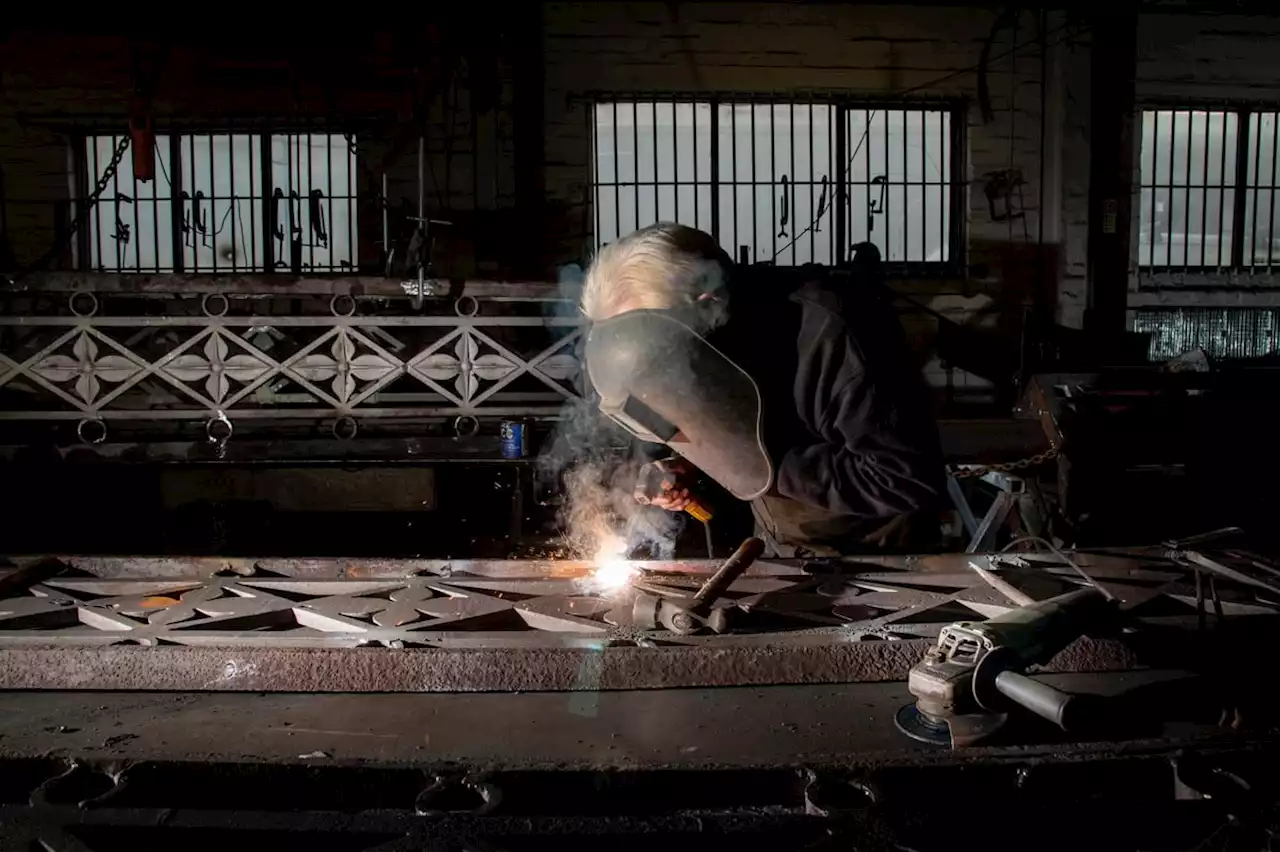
{"points": [[1006, 467], [105, 178]]}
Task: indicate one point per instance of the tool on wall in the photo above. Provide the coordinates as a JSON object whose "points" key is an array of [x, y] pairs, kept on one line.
{"points": [[1001, 188], [967, 684]]}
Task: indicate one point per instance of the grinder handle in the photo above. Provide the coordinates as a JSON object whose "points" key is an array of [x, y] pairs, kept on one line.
{"points": [[1040, 698]]}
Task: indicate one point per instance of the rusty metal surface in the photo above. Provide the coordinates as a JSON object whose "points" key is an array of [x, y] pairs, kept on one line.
{"points": [[422, 625]]}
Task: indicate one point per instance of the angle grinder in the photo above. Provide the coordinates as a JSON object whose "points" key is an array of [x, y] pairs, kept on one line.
{"points": [[969, 681]]}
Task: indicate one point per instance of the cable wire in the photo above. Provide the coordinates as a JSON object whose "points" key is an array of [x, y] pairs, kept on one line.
{"points": [[1052, 548]]}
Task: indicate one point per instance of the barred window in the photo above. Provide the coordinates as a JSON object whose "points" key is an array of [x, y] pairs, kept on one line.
{"points": [[783, 182], [222, 203], [1207, 198]]}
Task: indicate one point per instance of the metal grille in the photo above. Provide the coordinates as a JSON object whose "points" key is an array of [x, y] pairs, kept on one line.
{"points": [[778, 181], [1222, 333], [1208, 190], [227, 203]]}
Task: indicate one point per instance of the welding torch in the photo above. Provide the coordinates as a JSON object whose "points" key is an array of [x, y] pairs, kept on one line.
{"points": [[659, 479]]}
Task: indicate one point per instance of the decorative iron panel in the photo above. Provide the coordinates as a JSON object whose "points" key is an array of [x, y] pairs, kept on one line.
{"points": [[95, 359]]}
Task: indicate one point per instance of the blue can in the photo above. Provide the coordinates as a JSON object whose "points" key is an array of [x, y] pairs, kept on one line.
{"points": [[513, 439]]}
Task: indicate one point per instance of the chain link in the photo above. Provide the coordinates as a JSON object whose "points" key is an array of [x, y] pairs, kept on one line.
{"points": [[105, 178], [1006, 467]]}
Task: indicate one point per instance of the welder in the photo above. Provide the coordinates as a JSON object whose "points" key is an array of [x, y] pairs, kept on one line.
{"points": [[803, 398]]}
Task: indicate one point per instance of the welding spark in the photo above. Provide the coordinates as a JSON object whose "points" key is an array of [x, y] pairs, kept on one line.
{"points": [[613, 571]]}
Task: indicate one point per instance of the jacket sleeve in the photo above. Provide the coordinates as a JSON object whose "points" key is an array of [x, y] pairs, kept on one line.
{"points": [[874, 459]]}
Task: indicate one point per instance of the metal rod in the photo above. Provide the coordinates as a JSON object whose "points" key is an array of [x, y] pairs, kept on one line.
{"points": [[1222, 183], [334, 264], [266, 167], [176, 205], [352, 208], [675, 159], [791, 185], [97, 209], [1186, 196], [733, 121], [213, 205], [1256, 141], [155, 203], [304, 200], [748, 552], [714, 190], [773, 180], [1271, 194], [813, 186], [1241, 189], [137, 227], [617, 178], [924, 189], [255, 199], [1155, 179], [888, 245], [657, 209], [697, 217], [593, 133], [837, 131], [1204, 190], [944, 179], [755, 225]]}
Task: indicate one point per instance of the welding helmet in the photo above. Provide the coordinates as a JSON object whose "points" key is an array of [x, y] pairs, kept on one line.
{"points": [[664, 383]]}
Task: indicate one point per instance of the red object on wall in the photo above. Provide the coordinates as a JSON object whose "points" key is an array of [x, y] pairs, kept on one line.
{"points": [[142, 139]]}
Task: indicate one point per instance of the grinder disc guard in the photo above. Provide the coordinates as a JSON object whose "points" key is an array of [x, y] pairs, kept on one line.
{"points": [[922, 727]]}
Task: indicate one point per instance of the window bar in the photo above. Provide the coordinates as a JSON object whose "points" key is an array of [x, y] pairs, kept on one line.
{"points": [[95, 211], [1242, 176], [657, 211], [791, 185], [253, 215], [955, 163], [773, 180], [155, 205], [675, 159], [177, 207], [304, 196], [286, 242], [888, 247], [868, 117], [1222, 191], [733, 144], [214, 222], [335, 262], [269, 204], [1173, 141], [1255, 117], [906, 206], [593, 133], [714, 189], [1204, 189], [617, 179], [1271, 195], [755, 227], [924, 230], [193, 226], [697, 219], [813, 205], [944, 189], [136, 233], [1155, 159], [1186, 195], [352, 211], [837, 128]]}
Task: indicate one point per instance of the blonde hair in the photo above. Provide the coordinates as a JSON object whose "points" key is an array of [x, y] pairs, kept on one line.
{"points": [[660, 267]]}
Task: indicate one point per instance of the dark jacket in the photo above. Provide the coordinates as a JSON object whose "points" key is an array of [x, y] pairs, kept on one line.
{"points": [[848, 418]]}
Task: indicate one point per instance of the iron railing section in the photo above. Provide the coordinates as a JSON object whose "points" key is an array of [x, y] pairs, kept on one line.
{"points": [[781, 181], [1222, 333], [227, 203], [1207, 191], [239, 363]]}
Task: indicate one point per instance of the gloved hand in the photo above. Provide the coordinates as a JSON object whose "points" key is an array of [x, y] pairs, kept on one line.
{"points": [[664, 484]]}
